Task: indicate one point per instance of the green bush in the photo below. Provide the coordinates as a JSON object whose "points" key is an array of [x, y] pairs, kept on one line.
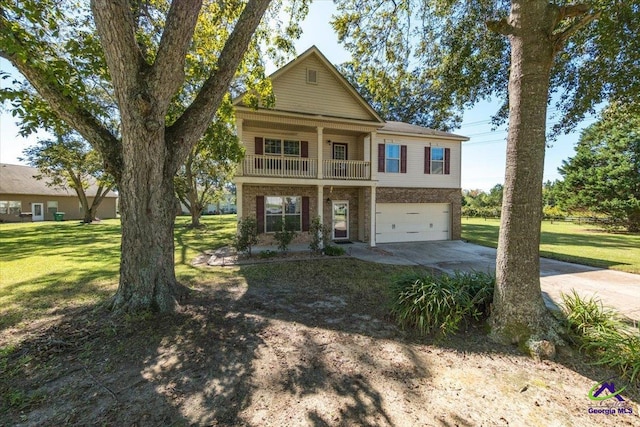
{"points": [[247, 235], [332, 250], [602, 334], [284, 236], [319, 235], [267, 254], [439, 303]]}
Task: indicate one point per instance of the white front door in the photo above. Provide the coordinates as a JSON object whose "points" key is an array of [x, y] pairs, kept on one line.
{"points": [[37, 211], [340, 229]]}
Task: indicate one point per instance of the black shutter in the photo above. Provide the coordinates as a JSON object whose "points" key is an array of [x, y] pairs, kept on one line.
{"points": [[381, 158], [305, 214], [447, 161], [427, 160], [403, 159]]}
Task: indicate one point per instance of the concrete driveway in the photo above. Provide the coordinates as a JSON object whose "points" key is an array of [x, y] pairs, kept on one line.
{"points": [[614, 288]]}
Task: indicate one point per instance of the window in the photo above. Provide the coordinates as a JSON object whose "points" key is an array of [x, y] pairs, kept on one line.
{"points": [[15, 208], [437, 160], [52, 207], [278, 147], [392, 158], [4, 207], [312, 76], [285, 210]]}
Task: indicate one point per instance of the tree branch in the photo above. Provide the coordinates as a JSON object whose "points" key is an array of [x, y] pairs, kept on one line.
{"points": [[560, 39], [501, 27], [116, 27], [66, 107], [188, 129], [573, 10], [167, 74]]}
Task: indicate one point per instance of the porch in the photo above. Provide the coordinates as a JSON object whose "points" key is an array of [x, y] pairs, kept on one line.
{"points": [[297, 167]]}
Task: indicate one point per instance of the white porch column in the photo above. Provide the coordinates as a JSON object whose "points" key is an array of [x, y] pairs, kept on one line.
{"points": [[239, 172], [320, 142], [239, 200], [372, 231], [373, 156]]}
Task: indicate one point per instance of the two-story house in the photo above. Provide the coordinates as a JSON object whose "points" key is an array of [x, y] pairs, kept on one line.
{"points": [[322, 151]]}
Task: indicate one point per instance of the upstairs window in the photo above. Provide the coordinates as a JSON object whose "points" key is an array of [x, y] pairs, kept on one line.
{"points": [[279, 147], [437, 161], [392, 158]]}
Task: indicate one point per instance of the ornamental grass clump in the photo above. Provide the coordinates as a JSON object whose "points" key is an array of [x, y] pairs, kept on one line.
{"points": [[603, 335], [438, 304]]}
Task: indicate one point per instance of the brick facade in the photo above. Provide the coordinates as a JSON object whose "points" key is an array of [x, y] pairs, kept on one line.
{"points": [[427, 195]]}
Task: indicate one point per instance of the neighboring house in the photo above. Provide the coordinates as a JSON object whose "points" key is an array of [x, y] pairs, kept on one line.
{"points": [[24, 198], [322, 151]]}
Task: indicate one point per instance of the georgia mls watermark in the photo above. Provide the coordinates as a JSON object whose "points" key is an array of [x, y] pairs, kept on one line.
{"points": [[606, 399]]}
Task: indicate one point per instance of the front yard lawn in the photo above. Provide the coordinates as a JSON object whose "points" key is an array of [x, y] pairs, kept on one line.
{"points": [[566, 241], [304, 343]]}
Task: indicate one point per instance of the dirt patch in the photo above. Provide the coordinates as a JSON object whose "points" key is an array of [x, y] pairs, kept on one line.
{"points": [[268, 346]]}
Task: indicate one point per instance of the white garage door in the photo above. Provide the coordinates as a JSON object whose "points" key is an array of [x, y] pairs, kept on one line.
{"points": [[412, 222]]}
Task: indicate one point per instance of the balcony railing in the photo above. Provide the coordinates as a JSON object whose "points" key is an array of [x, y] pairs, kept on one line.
{"points": [[297, 167], [290, 167], [346, 169]]}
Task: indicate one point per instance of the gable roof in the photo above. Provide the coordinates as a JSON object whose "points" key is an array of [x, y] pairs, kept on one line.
{"points": [[392, 127], [314, 56], [18, 179]]}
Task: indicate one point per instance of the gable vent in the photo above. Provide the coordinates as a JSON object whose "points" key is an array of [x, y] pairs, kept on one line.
{"points": [[312, 76]]}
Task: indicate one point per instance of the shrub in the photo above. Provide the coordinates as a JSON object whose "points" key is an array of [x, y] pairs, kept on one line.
{"points": [[603, 335], [247, 235], [284, 236], [267, 254], [439, 303], [319, 235], [332, 250]]}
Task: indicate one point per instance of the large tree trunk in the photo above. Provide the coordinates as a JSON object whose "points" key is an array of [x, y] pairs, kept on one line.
{"points": [[147, 207], [519, 313]]}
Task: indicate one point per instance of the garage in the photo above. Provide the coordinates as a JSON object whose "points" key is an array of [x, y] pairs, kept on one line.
{"points": [[412, 222]]}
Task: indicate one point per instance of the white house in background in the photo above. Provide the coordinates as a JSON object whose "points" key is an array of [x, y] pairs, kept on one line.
{"points": [[322, 151]]}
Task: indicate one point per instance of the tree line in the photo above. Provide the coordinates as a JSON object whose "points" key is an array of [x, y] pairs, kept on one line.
{"points": [[600, 183]]}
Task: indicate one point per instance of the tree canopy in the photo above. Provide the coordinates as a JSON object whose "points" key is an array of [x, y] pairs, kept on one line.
{"points": [[141, 82], [604, 174]]}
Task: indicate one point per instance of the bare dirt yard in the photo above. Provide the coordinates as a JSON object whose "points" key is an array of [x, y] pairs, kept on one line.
{"points": [[306, 343]]}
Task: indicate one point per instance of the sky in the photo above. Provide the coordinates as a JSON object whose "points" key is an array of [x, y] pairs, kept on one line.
{"points": [[483, 156]]}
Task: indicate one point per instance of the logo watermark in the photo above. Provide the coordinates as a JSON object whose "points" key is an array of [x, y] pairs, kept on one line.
{"points": [[606, 399]]}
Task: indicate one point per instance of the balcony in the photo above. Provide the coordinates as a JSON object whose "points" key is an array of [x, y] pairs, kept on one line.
{"points": [[298, 167], [346, 169]]}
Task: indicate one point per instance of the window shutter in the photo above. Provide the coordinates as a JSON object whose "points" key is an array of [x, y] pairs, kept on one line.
{"points": [[447, 161], [260, 213], [305, 214], [259, 151], [304, 149], [381, 158], [427, 160], [403, 159]]}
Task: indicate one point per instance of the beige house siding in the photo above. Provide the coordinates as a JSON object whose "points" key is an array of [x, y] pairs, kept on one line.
{"points": [[415, 176], [327, 97], [69, 205], [427, 195]]}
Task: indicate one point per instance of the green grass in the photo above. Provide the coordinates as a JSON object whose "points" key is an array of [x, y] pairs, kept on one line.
{"points": [[577, 243], [46, 267]]}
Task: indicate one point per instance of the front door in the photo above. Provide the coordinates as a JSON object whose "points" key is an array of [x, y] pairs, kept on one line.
{"points": [[37, 212], [340, 220]]}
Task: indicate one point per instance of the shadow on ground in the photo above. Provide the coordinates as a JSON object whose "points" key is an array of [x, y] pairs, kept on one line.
{"points": [[298, 343]]}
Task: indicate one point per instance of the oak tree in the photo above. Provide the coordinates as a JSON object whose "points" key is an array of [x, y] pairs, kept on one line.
{"points": [[135, 53]]}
